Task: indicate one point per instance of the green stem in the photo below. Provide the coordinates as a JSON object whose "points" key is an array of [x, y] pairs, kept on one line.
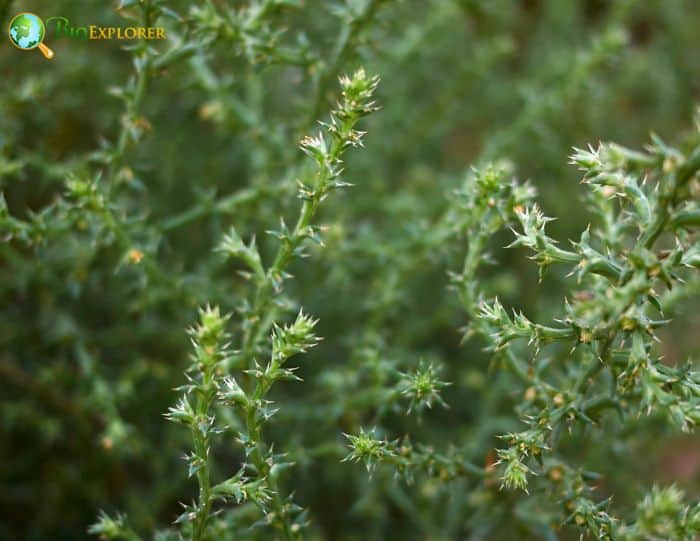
{"points": [[222, 206], [594, 367], [687, 218], [201, 449], [689, 167], [264, 312], [666, 201], [254, 429]]}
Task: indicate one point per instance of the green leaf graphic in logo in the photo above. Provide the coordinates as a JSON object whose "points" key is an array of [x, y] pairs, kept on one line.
{"points": [[27, 32]]}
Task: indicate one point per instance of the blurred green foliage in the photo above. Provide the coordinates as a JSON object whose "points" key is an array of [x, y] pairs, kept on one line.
{"points": [[122, 168]]}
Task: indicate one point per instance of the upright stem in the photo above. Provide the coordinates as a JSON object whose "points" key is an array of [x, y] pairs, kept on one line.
{"points": [[201, 449], [254, 429], [263, 312]]}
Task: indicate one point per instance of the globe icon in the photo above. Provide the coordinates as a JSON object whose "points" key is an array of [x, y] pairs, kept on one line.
{"points": [[27, 32]]}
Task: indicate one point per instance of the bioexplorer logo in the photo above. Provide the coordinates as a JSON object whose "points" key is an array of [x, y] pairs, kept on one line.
{"points": [[27, 32]]}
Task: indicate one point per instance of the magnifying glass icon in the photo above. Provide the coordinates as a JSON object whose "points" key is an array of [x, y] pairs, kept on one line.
{"points": [[27, 32]]}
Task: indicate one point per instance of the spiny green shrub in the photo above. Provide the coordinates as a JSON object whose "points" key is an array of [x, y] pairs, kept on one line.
{"points": [[160, 186], [629, 266]]}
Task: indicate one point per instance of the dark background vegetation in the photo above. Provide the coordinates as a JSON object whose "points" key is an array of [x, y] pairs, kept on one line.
{"points": [[91, 346]]}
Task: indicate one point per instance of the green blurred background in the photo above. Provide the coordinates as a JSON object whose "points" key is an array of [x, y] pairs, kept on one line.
{"points": [[91, 347]]}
